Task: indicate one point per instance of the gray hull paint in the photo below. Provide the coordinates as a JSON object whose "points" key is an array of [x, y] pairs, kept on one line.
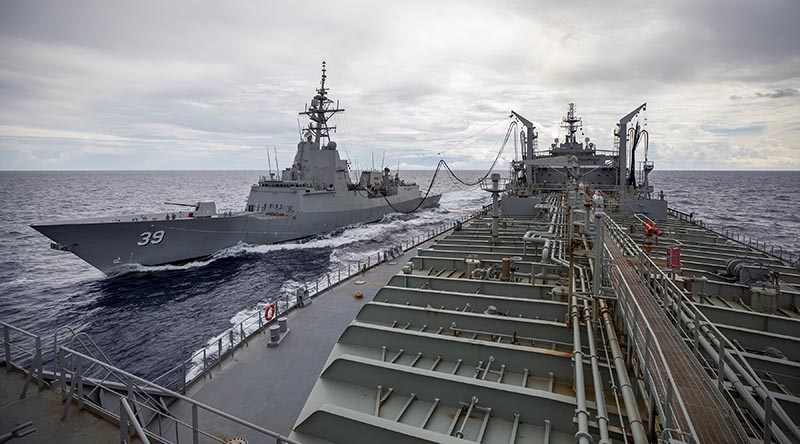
{"points": [[512, 206], [112, 247]]}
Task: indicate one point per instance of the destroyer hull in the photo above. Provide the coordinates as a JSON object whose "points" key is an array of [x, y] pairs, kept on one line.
{"points": [[114, 247]]}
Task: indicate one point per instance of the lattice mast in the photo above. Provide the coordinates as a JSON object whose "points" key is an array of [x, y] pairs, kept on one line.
{"points": [[571, 123], [321, 110]]}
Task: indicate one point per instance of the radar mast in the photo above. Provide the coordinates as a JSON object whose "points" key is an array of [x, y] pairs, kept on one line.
{"points": [[571, 123], [321, 110]]}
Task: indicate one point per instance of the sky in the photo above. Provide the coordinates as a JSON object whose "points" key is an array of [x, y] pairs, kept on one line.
{"points": [[164, 85]]}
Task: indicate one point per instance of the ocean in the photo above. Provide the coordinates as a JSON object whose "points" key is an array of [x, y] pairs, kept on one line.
{"points": [[150, 320]]}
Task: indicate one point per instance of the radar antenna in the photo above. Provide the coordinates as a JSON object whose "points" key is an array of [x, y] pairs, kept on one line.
{"points": [[571, 123], [321, 110]]}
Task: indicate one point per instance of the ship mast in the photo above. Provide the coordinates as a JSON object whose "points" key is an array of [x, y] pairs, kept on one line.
{"points": [[571, 123], [320, 112]]}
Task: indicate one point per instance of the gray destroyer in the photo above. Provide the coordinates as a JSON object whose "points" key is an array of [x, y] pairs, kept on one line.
{"points": [[315, 195]]}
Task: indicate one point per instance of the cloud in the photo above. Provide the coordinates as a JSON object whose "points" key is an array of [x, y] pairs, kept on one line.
{"points": [[752, 129], [780, 93], [113, 84]]}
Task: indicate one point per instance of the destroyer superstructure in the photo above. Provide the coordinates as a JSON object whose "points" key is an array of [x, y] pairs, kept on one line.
{"points": [[315, 195]]}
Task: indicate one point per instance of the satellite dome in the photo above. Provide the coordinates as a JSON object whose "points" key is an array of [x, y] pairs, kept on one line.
{"points": [[331, 145]]}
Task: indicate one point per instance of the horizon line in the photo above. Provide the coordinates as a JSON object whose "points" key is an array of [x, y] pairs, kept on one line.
{"points": [[409, 169]]}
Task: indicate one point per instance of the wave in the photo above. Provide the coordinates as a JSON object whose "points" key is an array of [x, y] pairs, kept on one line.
{"points": [[138, 268], [389, 231], [463, 195], [338, 238], [21, 281], [391, 223], [249, 320]]}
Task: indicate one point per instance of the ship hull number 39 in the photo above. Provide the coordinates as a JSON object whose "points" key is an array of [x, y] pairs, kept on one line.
{"points": [[151, 238]]}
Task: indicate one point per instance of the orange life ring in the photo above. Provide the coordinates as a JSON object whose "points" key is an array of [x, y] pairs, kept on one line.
{"points": [[269, 313]]}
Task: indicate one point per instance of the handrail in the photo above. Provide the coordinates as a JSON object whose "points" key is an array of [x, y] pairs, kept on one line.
{"points": [[126, 414], [20, 330], [218, 348], [792, 258], [76, 380], [36, 362], [770, 417], [83, 338], [73, 377], [653, 363]]}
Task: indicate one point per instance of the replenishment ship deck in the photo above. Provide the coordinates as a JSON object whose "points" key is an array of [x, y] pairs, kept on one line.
{"points": [[497, 360], [442, 353]]}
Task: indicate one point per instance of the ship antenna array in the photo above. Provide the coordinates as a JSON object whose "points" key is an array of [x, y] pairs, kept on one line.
{"points": [[442, 163], [320, 112], [269, 161]]}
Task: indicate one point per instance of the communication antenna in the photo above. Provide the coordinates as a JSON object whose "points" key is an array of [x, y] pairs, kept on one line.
{"points": [[269, 161], [383, 158], [275, 150]]}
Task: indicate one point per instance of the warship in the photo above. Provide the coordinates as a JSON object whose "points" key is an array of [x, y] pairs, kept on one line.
{"points": [[575, 308], [315, 195]]}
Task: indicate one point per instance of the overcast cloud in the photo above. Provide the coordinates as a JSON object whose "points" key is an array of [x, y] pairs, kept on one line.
{"points": [[209, 85]]}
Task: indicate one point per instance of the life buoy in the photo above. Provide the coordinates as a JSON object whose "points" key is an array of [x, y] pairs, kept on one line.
{"points": [[269, 313]]}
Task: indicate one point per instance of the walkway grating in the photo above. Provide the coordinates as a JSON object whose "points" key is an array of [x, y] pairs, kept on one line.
{"points": [[712, 419]]}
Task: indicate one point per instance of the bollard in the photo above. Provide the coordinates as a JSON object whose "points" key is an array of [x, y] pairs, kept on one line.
{"points": [[274, 335], [283, 324]]}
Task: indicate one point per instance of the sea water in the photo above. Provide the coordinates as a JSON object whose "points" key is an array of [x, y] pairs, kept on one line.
{"points": [[150, 320]]}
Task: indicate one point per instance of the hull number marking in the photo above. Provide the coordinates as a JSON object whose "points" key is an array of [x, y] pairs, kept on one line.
{"points": [[151, 238]]}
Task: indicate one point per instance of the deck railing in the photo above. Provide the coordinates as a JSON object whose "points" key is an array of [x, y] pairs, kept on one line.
{"points": [[665, 397], [725, 366], [776, 251], [664, 394], [164, 427], [78, 375], [23, 350], [203, 361], [71, 374]]}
